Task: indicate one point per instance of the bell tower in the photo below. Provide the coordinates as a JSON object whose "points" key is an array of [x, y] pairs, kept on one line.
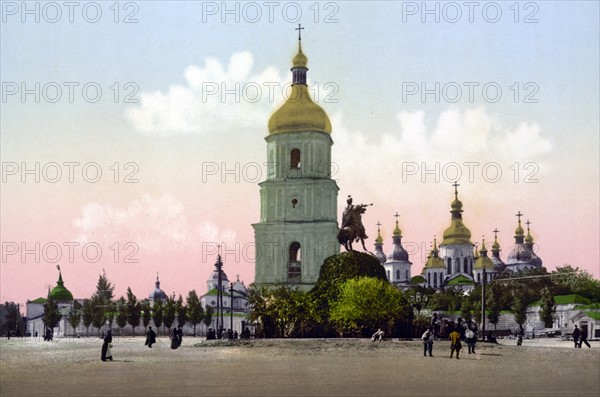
{"points": [[298, 226]]}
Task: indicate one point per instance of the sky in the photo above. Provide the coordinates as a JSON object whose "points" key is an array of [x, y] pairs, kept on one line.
{"points": [[132, 133]]}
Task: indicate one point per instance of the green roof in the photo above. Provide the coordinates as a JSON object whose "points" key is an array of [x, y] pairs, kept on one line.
{"points": [[38, 300], [460, 280], [594, 315], [417, 279], [60, 293], [214, 292], [566, 299], [592, 306]]}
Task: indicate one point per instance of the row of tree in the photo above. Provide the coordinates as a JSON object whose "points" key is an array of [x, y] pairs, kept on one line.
{"points": [[348, 303], [101, 309]]}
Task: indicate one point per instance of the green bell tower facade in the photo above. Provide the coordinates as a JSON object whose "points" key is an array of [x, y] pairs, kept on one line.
{"points": [[298, 225]]}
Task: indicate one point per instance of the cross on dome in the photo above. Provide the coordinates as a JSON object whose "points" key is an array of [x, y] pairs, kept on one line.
{"points": [[299, 29]]}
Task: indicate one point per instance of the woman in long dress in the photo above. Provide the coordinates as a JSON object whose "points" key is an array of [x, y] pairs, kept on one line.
{"points": [[106, 351]]}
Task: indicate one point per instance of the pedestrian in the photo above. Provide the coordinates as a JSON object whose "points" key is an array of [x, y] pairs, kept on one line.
{"points": [[491, 338], [174, 339], [576, 335], [378, 336], [470, 339], [435, 324], [455, 343], [106, 347], [150, 337], [427, 338], [583, 339], [519, 335]]}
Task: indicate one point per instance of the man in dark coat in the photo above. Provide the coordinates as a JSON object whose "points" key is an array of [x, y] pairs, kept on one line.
{"points": [[583, 339], [150, 337], [576, 335], [105, 345]]}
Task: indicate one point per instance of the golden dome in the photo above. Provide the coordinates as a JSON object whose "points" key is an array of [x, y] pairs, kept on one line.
{"points": [[299, 112]]}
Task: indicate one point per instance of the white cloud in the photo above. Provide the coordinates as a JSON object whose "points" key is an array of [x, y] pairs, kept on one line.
{"points": [[153, 223], [211, 95]]}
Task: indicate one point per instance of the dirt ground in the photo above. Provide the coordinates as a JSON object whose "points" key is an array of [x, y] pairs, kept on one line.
{"points": [[316, 367]]}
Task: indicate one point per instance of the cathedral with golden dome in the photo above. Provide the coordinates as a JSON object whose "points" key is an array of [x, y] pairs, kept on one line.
{"points": [[298, 210], [458, 262]]}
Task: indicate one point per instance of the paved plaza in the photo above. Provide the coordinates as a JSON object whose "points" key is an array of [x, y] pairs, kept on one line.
{"points": [[316, 367]]}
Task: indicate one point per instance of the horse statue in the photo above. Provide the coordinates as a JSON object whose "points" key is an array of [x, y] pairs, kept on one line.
{"points": [[352, 228]]}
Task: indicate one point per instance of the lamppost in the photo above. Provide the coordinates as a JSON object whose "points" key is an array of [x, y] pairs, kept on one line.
{"points": [[219, 267], [231, 291]]}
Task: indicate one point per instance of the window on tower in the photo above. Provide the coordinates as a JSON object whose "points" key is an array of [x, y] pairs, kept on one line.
{"points": [[449, 266], [295, 158], [466, 266], [295, 262]]}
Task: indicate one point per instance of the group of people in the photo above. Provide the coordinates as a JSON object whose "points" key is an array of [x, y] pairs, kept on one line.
{"points": [[580, 337], [462, 330]]}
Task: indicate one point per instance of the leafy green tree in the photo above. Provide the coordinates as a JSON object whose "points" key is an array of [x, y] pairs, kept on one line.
{"points": [[208, 316], [52, 315], [181, 311], [367, 303], [74, 318], [158, 313], [9, 318], [519, 306], [547, 308], [195, 312], [121, 310], [87, 315], [134, 309], [170, 313], [466, 309], [493, 306], [572, 280], [146, 312], [102, 302]]}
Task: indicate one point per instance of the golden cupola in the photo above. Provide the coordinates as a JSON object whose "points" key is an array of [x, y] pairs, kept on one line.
{"points": [[457, 233], [299, 112]]}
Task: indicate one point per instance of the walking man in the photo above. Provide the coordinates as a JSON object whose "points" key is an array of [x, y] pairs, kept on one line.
{"points": [[150, 337], [576, 335], [455, 343], [583, 339], [427, 338]]}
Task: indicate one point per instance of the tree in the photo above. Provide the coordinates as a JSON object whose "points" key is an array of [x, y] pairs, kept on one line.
{"points": [[493, 305], [52, 315], [134, 309], [121, 317], [519, 306], [170, 312], [9, 318], [194, 309], [367, 303], [207, 320], [87, 315], [547, 308], [146, 311], [102, 302], [466, 309], [75, 316], [181, 311], [158, 314], [572, 280]]}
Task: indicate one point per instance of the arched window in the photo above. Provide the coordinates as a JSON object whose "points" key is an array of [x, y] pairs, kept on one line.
{"points": [[295, 262], [406, 274], [435, 279], [388, 275], [295, 158], [466, 265], [449, 266], [428, 278], [398, 274], [456, 265]]}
